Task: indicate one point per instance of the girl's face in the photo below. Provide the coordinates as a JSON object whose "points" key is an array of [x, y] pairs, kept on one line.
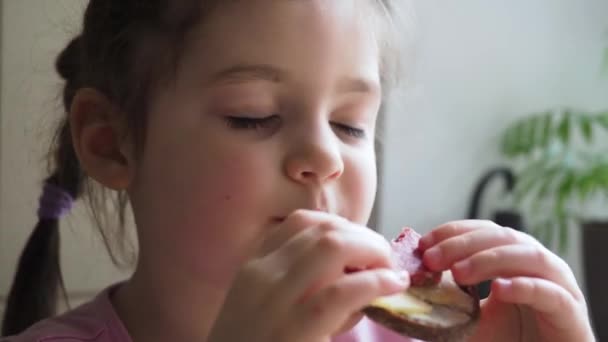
{"points": [[273, 109]]}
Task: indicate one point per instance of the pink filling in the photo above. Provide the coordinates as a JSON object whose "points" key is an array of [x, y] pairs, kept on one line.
{"points": [[408, 257]]}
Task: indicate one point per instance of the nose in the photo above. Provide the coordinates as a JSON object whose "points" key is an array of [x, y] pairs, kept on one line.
{"points": [[314, 157]]}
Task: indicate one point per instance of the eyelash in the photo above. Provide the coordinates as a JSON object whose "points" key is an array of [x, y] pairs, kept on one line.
{"points": [[351, 131], [245, 123]]}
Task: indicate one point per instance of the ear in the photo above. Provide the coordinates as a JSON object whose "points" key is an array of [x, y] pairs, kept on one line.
{"points": [[100, 139]]}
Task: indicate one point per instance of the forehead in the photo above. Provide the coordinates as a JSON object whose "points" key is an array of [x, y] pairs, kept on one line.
{"points": [[328, 37]]}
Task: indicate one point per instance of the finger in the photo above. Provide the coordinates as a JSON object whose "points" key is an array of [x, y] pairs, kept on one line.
{"points": [[444, 254], [512, 261], [327, 258], [352, 321], [283, 258], [332, 307], [557, 306], [451, 229], [303, 240], [293, 224]]}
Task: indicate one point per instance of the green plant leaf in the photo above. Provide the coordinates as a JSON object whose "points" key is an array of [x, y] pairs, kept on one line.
{"points": [[599, 174], [602, 119], [509, 142], [585, 185], [547, 184], [527, 180], [516, 136], [540, 173], [529, 131], [602, 175], [505, 141], [586, 128], [545, 133], [526, 135], [520, 137], [563, 129], [566, 186]]}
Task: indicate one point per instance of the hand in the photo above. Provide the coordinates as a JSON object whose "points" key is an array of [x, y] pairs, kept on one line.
{"points": [[296, 289], [535, 296]]}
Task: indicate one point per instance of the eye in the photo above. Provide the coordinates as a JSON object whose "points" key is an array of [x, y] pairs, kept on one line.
{"points": [[245, 122], [350, 130]]}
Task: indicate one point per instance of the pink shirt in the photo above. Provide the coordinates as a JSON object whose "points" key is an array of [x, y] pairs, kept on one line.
{"points": [[97, 321]]}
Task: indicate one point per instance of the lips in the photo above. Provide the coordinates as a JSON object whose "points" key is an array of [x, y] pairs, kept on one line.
{"points": [[317, 202], [278, 219]]}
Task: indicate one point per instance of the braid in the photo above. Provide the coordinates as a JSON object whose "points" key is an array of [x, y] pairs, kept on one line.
{"points": [[38, 281]]}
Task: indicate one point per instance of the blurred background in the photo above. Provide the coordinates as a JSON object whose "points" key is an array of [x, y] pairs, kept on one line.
{"points": [[518, 85]]}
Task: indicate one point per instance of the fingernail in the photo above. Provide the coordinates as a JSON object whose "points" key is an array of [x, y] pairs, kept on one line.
{"points": [[504, 283], [399, 279], [463, 267], [424, 242], [433, 255], [404, 276]]}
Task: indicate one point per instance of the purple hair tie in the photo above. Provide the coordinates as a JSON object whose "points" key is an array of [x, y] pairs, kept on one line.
{"points": [[54, 202]]}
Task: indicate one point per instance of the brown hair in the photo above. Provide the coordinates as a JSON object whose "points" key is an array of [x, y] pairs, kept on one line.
{"points": [[126, 50]]}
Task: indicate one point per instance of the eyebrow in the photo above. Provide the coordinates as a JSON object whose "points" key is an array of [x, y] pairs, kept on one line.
{"points": [[248, 72], [358, 85], [242, 73]]}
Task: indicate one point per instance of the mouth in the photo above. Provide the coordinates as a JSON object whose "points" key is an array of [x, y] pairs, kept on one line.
{"points": [[277, 219], [281, 219]]}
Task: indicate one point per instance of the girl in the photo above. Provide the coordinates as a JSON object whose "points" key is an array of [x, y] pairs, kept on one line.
{"points": [[242, 134]]}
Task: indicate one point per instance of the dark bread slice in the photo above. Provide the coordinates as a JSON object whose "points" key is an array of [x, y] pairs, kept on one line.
{"points": [[438, 313]]}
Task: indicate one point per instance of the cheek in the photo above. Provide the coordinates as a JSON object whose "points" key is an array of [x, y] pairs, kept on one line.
{"points": [[208, 205], [227, 180], [229, 193], [358, 190]]}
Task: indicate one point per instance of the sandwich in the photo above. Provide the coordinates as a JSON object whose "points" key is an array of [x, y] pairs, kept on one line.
{"points": [[434, 307]]}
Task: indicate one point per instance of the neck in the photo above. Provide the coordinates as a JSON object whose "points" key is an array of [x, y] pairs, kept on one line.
{"points": [[168, 309]]}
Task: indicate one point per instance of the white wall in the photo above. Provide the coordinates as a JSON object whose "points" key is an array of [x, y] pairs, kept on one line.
{"points": [[480, 64]]}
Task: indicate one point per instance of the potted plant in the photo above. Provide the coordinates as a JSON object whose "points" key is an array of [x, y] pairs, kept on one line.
{"points": [[560, 160], [560, 166]]}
